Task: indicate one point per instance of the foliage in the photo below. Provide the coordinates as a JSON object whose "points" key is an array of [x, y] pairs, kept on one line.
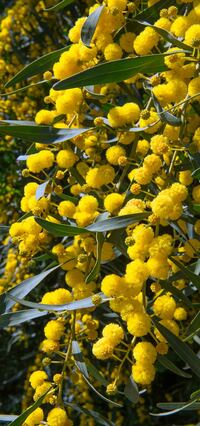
{"points": [[99, 287]]}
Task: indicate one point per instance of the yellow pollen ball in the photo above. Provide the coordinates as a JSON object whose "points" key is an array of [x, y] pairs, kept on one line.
{"points": [[37, 378], [67, 209], [113, 333], [58, 417], [113, 202], [66, 158]]}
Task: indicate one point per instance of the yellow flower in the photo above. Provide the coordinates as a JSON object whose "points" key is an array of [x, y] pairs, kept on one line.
{"points": [[145, 352], [113, 333], [37, 378], [102, 349]]}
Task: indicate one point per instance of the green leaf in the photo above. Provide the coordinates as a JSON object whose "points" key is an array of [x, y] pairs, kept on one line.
{"points": [[41, 189], [93, 94], [89, 26], [4, 229], [193, 327], [60, 230], [118, 239], [195, 395], [59, 6], [30, 132], [16, 318], [6, 418], [91, 413], [114, 71], [177, 293], [21, 419], [196, 208], [83, 369], [187, 273], [72, 306], [196, 173], [167, 363], [165, 116], [152, 13], [182, 350], [69, 198], [131, 391], [117, 222], [109, 401], [95, 373], [76, 351], [21, 290], [21, 89], [95, 271], [40, 65], [176, 407]]}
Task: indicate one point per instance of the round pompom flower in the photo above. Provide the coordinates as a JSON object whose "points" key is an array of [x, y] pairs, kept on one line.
{"points": [[66, 208], [113, 333], [58, 417], [114, 153], [164, 306], [143, 373], [113, 51], [54, 330], [102, 349], [113, 202], [139, 324], [37, 378], [66, 158], [34, 418], [145, 352]]}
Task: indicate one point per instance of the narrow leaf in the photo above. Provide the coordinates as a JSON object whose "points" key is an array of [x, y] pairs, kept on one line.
{"points": [[72, 306], [40, 191], [179, 407], [21, 419], [152, 13], [3, 229], [187, 272], [89, 26], [182, 350], [59, 6], [165, 116], [167, 363], [16, 318], [117, 222], [196, 173], [76, 351], [34, 133], [95, 373], [95, 271], [21, 290], [83, 369], [60, 230], [175, 405], [196, 208], [40, 65], [193, 327], [91, 413], [6, 418], [177, 293], [109, 401], [114, 71], [23, 88], [131, 391]]}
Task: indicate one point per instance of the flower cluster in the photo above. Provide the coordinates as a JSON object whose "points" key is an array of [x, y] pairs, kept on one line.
{"points": [[115, 204]]}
